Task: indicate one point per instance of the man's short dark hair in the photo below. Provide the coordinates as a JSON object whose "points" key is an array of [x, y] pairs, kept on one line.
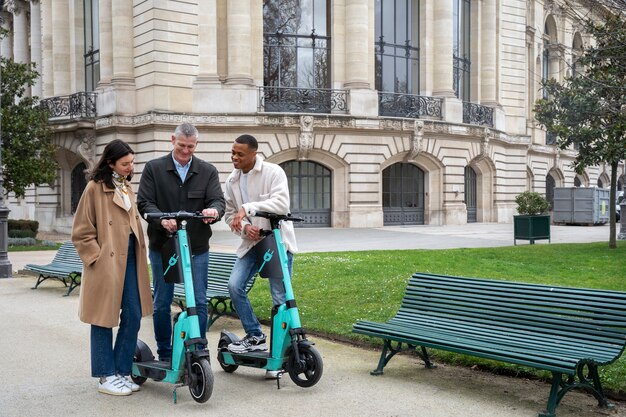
{"points": [[248, 140]]}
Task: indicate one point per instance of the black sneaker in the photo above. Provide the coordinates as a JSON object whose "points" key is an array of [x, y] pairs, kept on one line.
{"points": [[248, 344]]}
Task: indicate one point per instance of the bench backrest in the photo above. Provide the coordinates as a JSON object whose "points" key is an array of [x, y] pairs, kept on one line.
{"points": [[68, 257], [584, 314], [220, 266]]}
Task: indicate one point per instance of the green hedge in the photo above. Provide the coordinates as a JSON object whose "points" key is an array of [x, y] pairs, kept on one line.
{"points": [[22, 233], [31, 225]]}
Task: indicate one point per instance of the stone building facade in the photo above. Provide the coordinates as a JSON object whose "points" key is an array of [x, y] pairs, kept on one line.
{"points": [[382, 112]]}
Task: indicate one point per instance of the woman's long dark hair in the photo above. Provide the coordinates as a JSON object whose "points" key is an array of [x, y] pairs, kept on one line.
{"points": [[102, 172]]}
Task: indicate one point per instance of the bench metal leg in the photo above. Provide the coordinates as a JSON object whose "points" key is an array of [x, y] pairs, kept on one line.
{"points": [[389, 352], [217, 308], [42, 278], [589, 381], [424, 356], [75, 282]]}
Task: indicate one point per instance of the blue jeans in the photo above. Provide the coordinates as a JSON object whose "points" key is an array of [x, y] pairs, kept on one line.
{"points": [[164, 294], [243, 271], [107, 360]]}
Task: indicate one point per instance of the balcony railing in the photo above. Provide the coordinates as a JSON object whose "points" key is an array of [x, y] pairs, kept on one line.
{"points": [[74, 106], [475, 114], [409, 105], [302, 100]]}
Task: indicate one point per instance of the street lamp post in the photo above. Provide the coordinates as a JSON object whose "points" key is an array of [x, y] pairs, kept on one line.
{"points": [[5, 264]]}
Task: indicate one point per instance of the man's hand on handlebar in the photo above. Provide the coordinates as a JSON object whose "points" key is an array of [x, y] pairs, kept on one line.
{"points": [[211, 214]]}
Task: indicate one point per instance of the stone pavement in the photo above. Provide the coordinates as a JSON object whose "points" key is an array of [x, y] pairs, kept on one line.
{"points": [[44, 354]]}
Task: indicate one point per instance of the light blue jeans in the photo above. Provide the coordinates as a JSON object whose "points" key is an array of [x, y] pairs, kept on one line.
{"points": [[164, 294], [106, 359], [243, 271]]}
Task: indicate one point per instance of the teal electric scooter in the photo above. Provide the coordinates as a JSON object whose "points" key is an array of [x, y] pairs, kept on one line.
{"points": [[190, 364], [289, 351]]}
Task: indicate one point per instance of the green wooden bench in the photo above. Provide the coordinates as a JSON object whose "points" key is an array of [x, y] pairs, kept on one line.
{"points": [[567, 331], [66, 267], [217, 295]]}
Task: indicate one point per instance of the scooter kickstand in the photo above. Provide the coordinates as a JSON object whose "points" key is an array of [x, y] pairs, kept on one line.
{"points": [[278, 376], [174, 392]]}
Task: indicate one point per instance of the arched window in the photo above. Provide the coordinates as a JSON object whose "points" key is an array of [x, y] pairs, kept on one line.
{"points": [[79, 182], [550, 186], [403, 194], [470, 194], [310, 188]]}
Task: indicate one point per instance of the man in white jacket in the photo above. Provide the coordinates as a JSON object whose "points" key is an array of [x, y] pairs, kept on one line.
{"points": [[254, 185]]}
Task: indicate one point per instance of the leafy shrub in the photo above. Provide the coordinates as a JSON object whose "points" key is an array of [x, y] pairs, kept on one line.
{"points": [[23, 225], [531, 203], [22, 233]]}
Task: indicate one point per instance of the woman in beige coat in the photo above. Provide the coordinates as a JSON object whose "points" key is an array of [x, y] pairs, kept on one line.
{"points": [[109, 240]]}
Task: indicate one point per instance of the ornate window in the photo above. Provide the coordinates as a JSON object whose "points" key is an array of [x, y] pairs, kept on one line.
{"points": [[296, 43], [397, 46], [92, 45], [461, 49]]}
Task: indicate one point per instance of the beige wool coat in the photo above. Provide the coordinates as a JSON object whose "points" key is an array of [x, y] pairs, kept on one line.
{"points": [[101, 230]]}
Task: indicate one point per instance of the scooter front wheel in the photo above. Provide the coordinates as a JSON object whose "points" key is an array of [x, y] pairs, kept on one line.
{"points": [[201, 380], [308, 370]]}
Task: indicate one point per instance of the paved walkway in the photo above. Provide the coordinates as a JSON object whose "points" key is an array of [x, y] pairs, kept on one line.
{"points": [[44, 354]]}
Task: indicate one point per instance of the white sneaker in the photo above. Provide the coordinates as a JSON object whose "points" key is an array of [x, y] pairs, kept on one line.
{"points": [[129, 383], [113, 385]]}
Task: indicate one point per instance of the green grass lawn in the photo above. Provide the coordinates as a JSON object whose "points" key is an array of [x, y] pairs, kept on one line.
{"points": [[333, 290]]}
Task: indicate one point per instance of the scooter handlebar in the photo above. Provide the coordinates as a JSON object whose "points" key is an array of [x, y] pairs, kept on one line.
{"points": [[278, 217], [179, 215]]}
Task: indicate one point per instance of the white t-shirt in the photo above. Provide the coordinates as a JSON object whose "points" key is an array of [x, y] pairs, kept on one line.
{"points": [[243, 187]]}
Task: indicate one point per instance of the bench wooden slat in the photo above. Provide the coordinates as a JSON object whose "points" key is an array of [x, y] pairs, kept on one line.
{"points": [[559, 329]]}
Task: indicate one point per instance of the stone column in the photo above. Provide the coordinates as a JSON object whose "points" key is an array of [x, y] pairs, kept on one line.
{"points": [[36, 44], [363, 99], [20, 31], [123, 66], [357, 44], [489, 54], [239, 49], [61, 47], [47, 72], [106, 41], [443, 61], [122, 34], [207, 81]]}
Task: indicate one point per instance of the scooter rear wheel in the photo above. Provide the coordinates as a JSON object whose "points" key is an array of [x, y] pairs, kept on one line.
{"points": [[308, 371], [201, 382], [222, 346]]}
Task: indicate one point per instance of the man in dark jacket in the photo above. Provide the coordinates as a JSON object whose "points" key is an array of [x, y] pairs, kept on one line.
{"points": [[178, 181]]}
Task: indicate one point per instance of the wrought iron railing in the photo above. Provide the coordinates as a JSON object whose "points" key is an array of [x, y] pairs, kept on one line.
{"points": [[409, 105], [475, 114], [302, 100], [74, 106]]}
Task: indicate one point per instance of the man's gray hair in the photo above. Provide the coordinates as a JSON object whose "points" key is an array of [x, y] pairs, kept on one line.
{"points": [[186, 129]]}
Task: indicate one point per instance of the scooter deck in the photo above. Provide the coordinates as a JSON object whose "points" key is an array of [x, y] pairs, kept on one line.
{"points": [[163, 365]]}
